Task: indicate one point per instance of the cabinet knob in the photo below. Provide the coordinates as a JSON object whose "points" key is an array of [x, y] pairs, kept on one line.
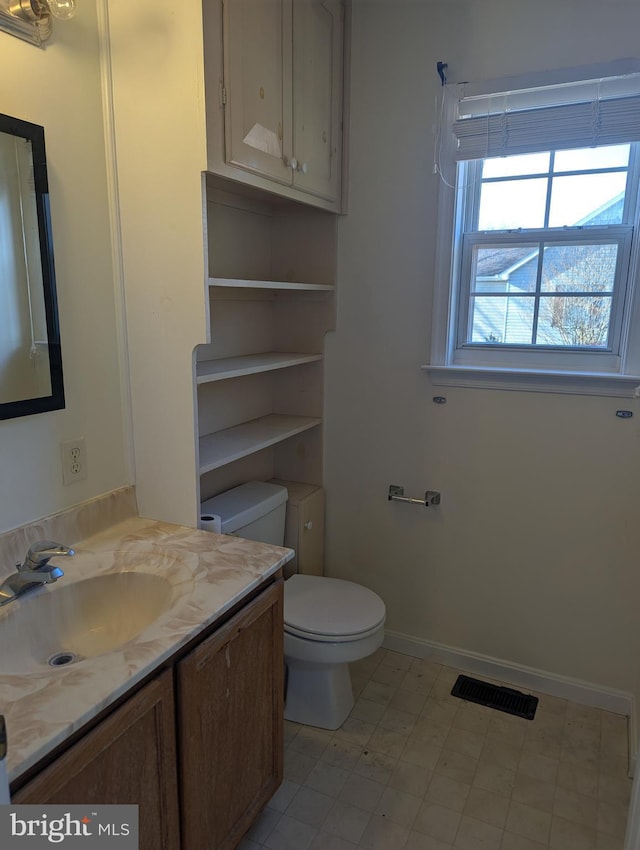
{"points": [[303, 167], [291, 163], [308, 525]]}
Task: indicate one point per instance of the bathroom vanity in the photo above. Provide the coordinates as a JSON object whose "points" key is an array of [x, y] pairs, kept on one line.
{"points": [[186, 718]]}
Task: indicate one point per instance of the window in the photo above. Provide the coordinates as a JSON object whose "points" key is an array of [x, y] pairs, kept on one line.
{"points": [[545, 242], [536, 245]]}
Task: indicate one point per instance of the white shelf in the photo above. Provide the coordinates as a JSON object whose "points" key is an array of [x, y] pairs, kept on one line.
{"points": [[250, 364], [237, 283], [224, 447]]}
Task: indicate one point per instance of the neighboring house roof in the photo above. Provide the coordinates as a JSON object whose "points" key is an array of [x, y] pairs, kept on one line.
{"points": [[603, 212], [500, 263]]}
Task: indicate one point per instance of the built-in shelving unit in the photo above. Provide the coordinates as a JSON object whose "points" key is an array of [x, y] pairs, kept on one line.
{"points": [[259, 379]]}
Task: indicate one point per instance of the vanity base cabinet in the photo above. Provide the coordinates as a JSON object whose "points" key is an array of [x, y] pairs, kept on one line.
{"points": [[230, 722], [202, 764], [129, 757]]}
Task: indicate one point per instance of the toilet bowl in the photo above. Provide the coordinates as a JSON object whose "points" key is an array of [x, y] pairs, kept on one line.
{"points": [[328, 623]]}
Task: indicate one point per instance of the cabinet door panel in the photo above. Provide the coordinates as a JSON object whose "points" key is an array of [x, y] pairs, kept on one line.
{"points": [[257, 69], [231, 724], [317, 104], [129, 758], [311, 534]]}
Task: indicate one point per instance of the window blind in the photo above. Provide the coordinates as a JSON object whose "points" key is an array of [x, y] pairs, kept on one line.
{"points": [[584, 114]]}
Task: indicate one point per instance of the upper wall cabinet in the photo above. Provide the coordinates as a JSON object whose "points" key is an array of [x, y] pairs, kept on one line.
{"points": [[274, 96]]}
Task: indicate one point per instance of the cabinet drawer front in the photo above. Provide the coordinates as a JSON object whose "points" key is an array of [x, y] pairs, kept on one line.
{"points": [[230, 709]]}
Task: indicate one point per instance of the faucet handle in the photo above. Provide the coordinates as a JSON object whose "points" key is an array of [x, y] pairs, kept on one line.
{"points": [[41, 552]]}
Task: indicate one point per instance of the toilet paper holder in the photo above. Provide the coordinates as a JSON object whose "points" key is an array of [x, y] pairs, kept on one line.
{"points": [[396, 494]]}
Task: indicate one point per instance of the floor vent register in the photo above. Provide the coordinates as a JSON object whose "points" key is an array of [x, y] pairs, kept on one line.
{"points": [[495, 696]]}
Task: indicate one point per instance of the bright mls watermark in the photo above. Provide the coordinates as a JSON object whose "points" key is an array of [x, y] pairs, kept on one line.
{"points": [[79, 827]]}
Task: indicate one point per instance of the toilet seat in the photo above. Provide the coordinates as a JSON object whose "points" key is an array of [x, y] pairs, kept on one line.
{"points": [[320, 638], [330, 610]]}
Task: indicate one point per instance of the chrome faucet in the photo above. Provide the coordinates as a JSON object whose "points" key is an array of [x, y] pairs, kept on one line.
{"points": [[35, 570]]}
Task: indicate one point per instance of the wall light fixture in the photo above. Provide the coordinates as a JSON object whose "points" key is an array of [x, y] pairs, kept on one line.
{"points": [[31, 19]]}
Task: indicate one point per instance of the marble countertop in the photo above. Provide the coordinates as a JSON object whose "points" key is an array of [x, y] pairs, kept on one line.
{"points": [[208, 574]]}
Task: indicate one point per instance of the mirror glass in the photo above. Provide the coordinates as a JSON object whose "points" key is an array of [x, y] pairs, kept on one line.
{"points": [[30, 356]]}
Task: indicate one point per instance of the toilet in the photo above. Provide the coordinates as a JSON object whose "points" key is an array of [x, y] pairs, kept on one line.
{"points": [[328, 623]]}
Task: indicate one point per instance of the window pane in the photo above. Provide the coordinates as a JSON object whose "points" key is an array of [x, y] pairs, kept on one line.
{"points": [[512, 204], [611, 156], [505, 320], [513, 166], [587, 199], [579, 268], [503, 269], [574, 321]]}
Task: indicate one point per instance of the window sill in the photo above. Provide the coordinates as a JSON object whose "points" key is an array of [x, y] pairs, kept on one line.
{"points": [[530, 380]]}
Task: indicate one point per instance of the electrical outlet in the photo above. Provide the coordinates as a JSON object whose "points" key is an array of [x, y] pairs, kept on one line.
{"points": [[74, 461]]}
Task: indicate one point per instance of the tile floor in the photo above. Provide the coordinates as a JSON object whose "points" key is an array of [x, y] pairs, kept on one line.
{"points": [[414, 768]]}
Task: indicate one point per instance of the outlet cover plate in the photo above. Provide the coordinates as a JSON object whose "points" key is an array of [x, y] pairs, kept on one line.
{"points": [[74, 460]]}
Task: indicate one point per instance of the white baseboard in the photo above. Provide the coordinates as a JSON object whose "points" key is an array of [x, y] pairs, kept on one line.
{"points": [[609, 699]]}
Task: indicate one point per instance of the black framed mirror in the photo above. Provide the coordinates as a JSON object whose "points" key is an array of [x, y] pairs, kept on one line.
{"points": [[30, 354]]}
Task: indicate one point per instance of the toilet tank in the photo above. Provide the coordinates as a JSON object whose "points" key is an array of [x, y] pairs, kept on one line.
{"points": [[255, 510]]}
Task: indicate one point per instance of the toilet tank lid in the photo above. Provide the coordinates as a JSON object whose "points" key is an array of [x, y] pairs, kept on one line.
{"points": [[244, 504]]}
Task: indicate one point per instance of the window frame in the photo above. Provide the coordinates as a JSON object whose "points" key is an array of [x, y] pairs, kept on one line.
{"points": [[615, 371]]}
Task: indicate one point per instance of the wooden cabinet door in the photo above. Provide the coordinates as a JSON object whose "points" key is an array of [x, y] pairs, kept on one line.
{"points": [[128, 758], [257, 75], [230, 705], [311, 534], [317, 95]]}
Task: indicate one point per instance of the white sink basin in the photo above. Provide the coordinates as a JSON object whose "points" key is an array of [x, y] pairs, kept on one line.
{"points": [[66, 623]]}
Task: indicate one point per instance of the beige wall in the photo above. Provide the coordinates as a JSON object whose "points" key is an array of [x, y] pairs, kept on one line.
{"points": [[60, 88], [532, 557]]}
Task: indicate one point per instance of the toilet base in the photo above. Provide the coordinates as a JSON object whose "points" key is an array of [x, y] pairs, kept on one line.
{"points": [[318, 694]]}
